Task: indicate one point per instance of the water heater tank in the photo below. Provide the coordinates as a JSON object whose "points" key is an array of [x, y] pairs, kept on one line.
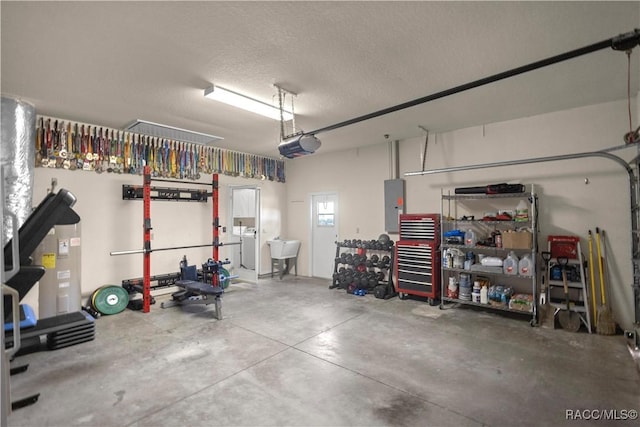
{"points": [[60, 287]]}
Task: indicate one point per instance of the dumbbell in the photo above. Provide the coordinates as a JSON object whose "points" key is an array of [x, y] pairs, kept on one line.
{"points": [[373, 282], [385, 262]]}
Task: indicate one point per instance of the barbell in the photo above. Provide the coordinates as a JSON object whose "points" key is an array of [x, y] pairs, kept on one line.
{"points": [[147, 251]]}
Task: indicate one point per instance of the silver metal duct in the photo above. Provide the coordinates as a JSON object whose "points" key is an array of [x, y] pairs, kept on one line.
{"points": [[17, 156]]}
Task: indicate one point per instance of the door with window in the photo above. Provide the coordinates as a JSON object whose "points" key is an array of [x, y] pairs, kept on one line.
{"points": [[324, 233]]}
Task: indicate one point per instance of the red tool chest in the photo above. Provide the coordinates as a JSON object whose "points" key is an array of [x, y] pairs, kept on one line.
{"points": [[417, 260]]}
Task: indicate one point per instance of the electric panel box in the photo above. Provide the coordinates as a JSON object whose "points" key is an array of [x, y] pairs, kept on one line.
{"points": [[393, 203]]}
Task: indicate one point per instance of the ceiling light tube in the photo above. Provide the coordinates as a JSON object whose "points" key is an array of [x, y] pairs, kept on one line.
{"points": [[241, 101]]}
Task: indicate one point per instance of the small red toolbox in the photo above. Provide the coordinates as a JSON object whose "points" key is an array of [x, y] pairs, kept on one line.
{"points": [[564, 246], [420, 227]]}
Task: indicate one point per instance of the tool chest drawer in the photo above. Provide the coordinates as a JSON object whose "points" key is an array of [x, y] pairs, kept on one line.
{"points": [[417, 268], [420, 227]]}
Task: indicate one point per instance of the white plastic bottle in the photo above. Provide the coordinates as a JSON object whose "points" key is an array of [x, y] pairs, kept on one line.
{"points": [[510, 264], [476, 293], [484, 295], [522, 211], [525, 266]]}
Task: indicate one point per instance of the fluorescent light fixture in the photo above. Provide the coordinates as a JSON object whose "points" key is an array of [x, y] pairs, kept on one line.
{"points": [[241, 101], [170, 132]]}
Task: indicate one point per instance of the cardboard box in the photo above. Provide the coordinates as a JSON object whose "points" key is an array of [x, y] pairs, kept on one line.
{"points": [[516, 239]]}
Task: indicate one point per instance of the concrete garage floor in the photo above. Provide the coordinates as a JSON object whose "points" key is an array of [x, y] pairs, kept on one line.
{"points": [[295, 353]]}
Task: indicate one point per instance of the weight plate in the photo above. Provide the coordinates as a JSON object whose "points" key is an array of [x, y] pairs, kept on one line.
{"points": [[92, 299], [110, 299], [224, 278]]}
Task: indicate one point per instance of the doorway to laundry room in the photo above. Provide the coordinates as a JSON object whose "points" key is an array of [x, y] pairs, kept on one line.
{"points": [[245, 223], [324, 233]]}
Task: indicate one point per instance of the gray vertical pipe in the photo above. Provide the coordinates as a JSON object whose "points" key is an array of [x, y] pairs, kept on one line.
{"points": [[396, 153], [17, 155]]}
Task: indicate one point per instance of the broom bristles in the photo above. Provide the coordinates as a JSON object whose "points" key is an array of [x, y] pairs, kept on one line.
{"points": [[605, 324]]}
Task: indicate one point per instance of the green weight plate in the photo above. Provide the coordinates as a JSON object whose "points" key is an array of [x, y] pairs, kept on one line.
{"points": [[111, 299], [224, 278], [92, 299]]}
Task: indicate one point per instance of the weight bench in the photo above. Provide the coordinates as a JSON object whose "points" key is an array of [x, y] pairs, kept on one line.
{"points": [[195, 292]]}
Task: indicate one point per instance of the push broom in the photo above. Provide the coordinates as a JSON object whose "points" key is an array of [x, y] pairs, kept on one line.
{"points": [[605, 324], [592, 279]]}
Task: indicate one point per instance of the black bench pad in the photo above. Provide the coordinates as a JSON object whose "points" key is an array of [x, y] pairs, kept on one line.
{"points": [[200, 287]]}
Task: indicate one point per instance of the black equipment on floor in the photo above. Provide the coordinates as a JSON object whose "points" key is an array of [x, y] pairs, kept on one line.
{"points": [[60, 331], [55, 209], [55, 332]]}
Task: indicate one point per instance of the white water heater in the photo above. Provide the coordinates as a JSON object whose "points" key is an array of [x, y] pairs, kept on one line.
{"points": [[60, 287]]}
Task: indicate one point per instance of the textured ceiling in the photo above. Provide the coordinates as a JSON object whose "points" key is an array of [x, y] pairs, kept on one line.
{"points": [[110, 63]]}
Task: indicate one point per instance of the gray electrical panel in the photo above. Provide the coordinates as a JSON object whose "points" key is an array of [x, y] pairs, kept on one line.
{"points": [[393, 204]]}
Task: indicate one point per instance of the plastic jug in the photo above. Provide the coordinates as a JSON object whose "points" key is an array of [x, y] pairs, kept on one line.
{"points": [[522, 211], [510, 264], [447, 259], [525, 266], [470, 238], [452, 289]]}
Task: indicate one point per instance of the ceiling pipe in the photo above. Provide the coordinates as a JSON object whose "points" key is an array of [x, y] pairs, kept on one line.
{"points": [[622, 42], [604, 154]]}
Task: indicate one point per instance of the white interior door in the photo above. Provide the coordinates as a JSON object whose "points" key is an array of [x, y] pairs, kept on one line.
{"points": [[244, 226], [324, 233]]}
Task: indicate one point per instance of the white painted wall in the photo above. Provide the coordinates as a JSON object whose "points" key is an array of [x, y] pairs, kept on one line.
{"points": [[356, 175], [111, 224], [567, 204]]}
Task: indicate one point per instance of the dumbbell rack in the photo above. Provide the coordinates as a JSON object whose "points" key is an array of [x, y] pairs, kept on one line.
{"points": [[356, 259]]}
